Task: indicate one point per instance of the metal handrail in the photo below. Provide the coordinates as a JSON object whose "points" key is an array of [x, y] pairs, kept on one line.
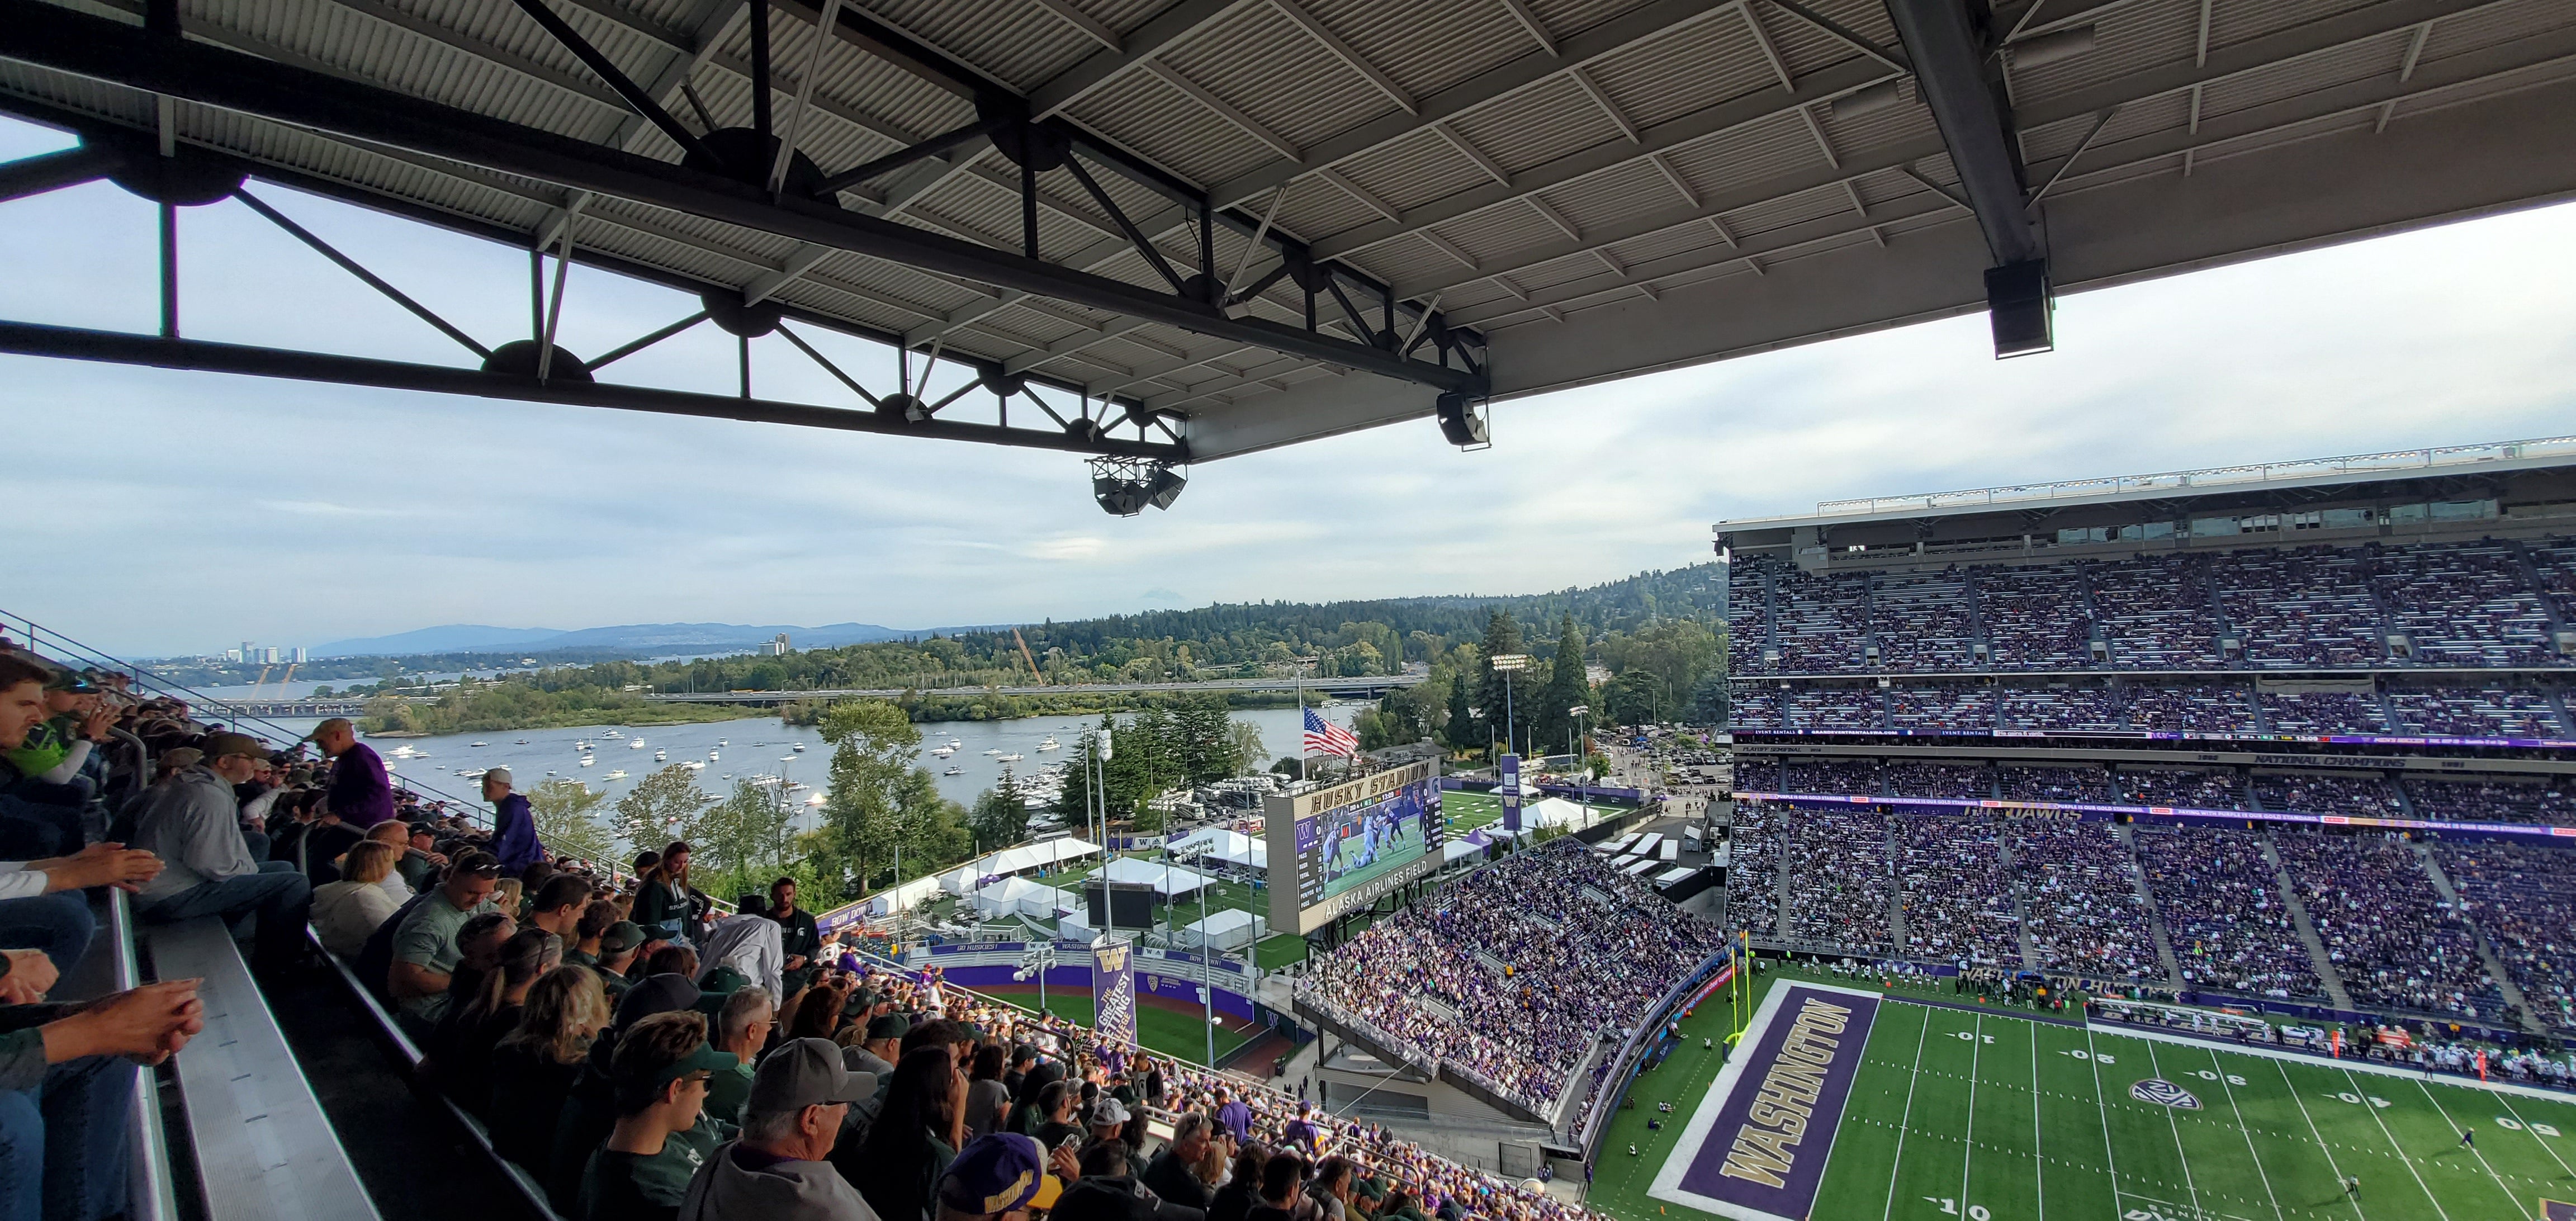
{"points": [[151, 1195]]}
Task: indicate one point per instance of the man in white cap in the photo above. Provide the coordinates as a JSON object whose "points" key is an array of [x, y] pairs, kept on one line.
{"points": [[514, 828], [776, 1170]]}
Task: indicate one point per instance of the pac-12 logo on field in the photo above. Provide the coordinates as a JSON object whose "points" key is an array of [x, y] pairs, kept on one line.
{"points": [[2164, 1093]]}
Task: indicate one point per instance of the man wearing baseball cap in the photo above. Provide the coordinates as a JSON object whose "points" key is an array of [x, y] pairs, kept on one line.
{"points": [[193, 824], [514, 826], [776, 1170]]}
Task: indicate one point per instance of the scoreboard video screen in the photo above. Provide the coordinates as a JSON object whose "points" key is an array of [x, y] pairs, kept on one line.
{"points": [[1342, 846]]}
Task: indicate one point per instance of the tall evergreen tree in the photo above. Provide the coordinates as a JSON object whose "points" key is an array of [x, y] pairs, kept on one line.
{"points": [[1500, 695], [1566, 688]]}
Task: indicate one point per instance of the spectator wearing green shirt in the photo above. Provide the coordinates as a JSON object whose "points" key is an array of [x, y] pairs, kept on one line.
{"points": [[660, 1071], [596, 916], [798, 938], [426, 948], [742, 1028]]}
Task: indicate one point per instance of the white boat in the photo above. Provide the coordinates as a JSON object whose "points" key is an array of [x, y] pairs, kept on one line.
{"points": [[815, 800], [954, 771], [617, 775], [954, 743], [587, 760], [612, 734], [660, 755], [523, 741], [722, 742], [943, 751], [1050, 744], [554, 773], [637, 744], [995, 751], [478, 744], [694, 765], [1010, 758], [474, 774], [800, 748]]}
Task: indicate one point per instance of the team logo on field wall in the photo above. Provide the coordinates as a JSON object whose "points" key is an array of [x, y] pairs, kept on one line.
{"points": [[1756, 1146], [2164, 1093]]}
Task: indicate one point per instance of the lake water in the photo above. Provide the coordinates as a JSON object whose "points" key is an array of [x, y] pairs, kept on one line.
{"points": [[751, 747]]}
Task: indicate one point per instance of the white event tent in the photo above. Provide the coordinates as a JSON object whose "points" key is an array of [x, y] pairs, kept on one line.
{"points": [[1021, 897], [1226, 930], [1220, 844], [1167, 880], [964, 879]]}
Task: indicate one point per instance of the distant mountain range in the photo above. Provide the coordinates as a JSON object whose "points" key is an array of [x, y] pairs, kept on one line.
{"points": [[641, 639]]}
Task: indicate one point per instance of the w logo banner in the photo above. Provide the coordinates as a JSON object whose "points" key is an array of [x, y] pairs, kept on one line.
{"points": [[1113, 991], [2164, 1093]]}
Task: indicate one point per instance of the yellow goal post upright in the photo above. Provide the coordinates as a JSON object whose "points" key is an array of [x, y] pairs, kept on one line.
{"points": [[1740, 996]]}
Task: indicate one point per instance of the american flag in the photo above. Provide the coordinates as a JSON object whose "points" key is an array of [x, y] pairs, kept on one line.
{"points": [[1326, 738]]}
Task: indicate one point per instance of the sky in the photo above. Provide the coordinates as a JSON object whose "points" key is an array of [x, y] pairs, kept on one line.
{"points": [[167, 513]]}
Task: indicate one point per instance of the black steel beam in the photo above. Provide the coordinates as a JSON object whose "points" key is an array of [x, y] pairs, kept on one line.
{"points": [[606, 70], [112, 347], [94, 47], [54, 171], [1948, 48], [902, 157]]}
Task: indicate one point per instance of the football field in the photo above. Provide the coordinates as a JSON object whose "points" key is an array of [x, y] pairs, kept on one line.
{"points": [[1939, 1112]]}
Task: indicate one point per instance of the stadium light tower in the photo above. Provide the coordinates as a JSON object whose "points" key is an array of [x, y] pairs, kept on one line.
{"points": [[1508, 664]]}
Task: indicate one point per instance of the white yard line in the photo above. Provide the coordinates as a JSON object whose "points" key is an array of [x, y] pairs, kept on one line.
{"points": [[1968, 1150], [2535, 1137], [2399, 1149], [2248, 1133], [2093, 1058], [1898, 1166], [2038, 1150], [2181, 1157], [2509, 1193], [2331, 1163]]}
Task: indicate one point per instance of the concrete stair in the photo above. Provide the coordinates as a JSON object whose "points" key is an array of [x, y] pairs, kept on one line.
{"points": [[2486, 953], [2155, 923], [2317, 955]]}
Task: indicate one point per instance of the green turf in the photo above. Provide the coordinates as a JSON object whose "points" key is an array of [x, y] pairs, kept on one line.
{"points": [[1992, 1117], [1281, 950], [1168, 1031]]}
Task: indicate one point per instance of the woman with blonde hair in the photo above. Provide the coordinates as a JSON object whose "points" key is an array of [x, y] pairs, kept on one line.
{"points": [[347, 912], [534, 1066]]}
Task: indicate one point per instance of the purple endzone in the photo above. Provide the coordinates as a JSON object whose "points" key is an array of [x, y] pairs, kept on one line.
{"points": [[1797, 1094]]}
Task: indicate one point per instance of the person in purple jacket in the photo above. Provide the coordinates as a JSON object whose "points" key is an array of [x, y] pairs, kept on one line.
{"points": [[514, 827], [359, 791]]}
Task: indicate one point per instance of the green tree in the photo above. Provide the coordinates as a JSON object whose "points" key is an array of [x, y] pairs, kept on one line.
{"points": [[1708, 701], [1632, 698], [999, 820], [563, 809], [740, 842], [1461, 731], [874, 745], [662, 808], [1566, 689]]}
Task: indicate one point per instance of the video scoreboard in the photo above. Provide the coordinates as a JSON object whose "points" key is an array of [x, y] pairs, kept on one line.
{"points": [[1341, 846]]}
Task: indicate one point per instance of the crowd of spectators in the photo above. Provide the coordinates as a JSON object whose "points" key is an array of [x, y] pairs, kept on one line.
{"points": [[1529, 964], [2317, 607], [1956, 781], [2393, 939], [2322, 712], [2524, 898], [2084, 785], [1841, 882], [2063, 708], [1958, 898], [2324, 793], [1923, 622], [1945, 707], [2213, 709], [2181, 788], [2081, 899], [2449, 799], [1841, 777], [2476, 712], [1832, 708], [1753, 869], [2220, 899]]}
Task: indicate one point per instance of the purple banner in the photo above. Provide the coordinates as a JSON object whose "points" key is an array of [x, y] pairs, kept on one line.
{"points": [[2077, 807], [1509, 766], [1757, 1145], [1113, 990]]}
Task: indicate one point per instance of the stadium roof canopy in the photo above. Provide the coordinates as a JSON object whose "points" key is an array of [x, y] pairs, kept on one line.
{"points": [[1173, 230]]}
